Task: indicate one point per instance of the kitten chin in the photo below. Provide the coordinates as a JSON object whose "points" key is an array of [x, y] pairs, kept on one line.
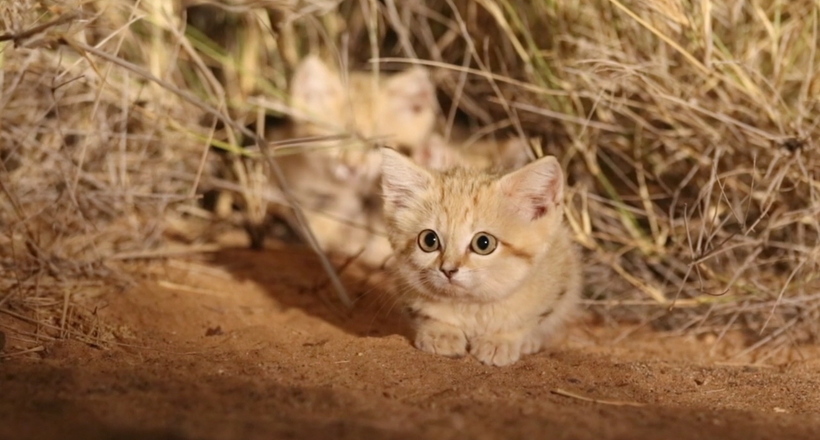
{"points": [[485, 265]]}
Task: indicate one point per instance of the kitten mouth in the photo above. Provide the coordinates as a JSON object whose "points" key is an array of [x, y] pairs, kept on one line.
{"points": [[448, 287]]}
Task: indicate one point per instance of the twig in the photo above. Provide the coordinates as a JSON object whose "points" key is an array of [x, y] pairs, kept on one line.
{"points": [[37, 29], [277, 171], [21, 352], [566, 393], [166, 252], [183, 288]]}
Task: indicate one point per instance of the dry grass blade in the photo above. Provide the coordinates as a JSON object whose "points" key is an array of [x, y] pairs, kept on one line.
{"points": [[572, 395], [18, 37]]}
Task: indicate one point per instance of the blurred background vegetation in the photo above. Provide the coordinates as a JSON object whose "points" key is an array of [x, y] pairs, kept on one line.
{"points": [[688, 130]]}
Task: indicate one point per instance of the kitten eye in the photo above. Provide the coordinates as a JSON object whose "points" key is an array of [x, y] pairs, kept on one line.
{"points": [[428, 241], [483, 243]]}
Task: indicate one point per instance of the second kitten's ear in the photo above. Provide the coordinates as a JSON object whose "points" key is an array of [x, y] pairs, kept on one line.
{"points": [[315, 88], [535, 189], [412, 91], [402, 180]]}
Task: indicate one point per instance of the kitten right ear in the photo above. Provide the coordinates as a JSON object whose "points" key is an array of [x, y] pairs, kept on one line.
{"points": [[402, 180], [535, 189], [315, 89]]}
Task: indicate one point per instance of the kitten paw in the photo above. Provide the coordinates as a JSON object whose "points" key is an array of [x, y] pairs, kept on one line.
{"points": [[442, 340], [532, 344], [496, 350]]}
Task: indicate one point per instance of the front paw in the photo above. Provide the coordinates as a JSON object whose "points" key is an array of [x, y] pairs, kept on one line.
{"points": [[441, 339], [498, 350]]}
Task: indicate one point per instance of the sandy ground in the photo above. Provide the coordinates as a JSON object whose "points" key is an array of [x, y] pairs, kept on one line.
{"points": [[240, 345]]}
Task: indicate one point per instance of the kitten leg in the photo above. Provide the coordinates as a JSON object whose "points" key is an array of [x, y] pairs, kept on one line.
{"points": [[499, 349], [440, 338], [532, 343], [514, 345], [550, 322]]}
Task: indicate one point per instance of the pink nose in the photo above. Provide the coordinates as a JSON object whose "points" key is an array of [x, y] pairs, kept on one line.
{"points": [[448, 272]]}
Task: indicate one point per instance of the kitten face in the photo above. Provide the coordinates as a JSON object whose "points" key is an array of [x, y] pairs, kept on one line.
{"points": [[467, 235], [400, 107]]}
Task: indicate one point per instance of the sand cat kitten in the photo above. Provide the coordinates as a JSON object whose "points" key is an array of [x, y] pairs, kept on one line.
{"points": [[483, 261], [336, 182], [398, 109]]}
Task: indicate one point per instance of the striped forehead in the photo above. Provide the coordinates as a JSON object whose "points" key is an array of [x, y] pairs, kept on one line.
{"points": [[459, 198], [459, 184]]}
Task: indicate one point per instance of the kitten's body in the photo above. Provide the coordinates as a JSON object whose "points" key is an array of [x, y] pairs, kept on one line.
{"points": [[497, 306]]}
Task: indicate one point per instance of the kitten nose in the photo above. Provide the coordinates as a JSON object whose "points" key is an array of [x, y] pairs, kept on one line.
{"points": [[448, 271]]}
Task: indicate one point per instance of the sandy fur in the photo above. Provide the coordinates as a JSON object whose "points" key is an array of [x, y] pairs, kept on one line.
{"points": [[499, 306]]}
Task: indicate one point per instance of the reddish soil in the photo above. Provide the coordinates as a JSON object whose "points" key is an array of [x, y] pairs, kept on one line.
{"points": [[240, 345]]}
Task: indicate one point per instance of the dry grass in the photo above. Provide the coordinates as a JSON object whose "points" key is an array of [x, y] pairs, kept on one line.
{"points": [[688, 130]]}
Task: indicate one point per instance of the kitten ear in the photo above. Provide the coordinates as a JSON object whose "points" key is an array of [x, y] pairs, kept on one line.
{"points": [[535, 189], [315, 88], [402, 180], [411, 91]]}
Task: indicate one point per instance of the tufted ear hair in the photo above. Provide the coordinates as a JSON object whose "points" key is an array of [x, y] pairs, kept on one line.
{"points": [[402, 180], [535, 189]]}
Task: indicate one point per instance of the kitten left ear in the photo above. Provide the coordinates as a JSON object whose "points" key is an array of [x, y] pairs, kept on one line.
{"points": [[315, 89], [536, 188], [402, 180]]}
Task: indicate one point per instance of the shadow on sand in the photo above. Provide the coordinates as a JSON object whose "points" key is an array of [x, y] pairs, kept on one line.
{"points": [[294, 277]]}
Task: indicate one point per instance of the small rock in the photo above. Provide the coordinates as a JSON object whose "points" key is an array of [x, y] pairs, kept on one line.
{"points": [[215, 331]]}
